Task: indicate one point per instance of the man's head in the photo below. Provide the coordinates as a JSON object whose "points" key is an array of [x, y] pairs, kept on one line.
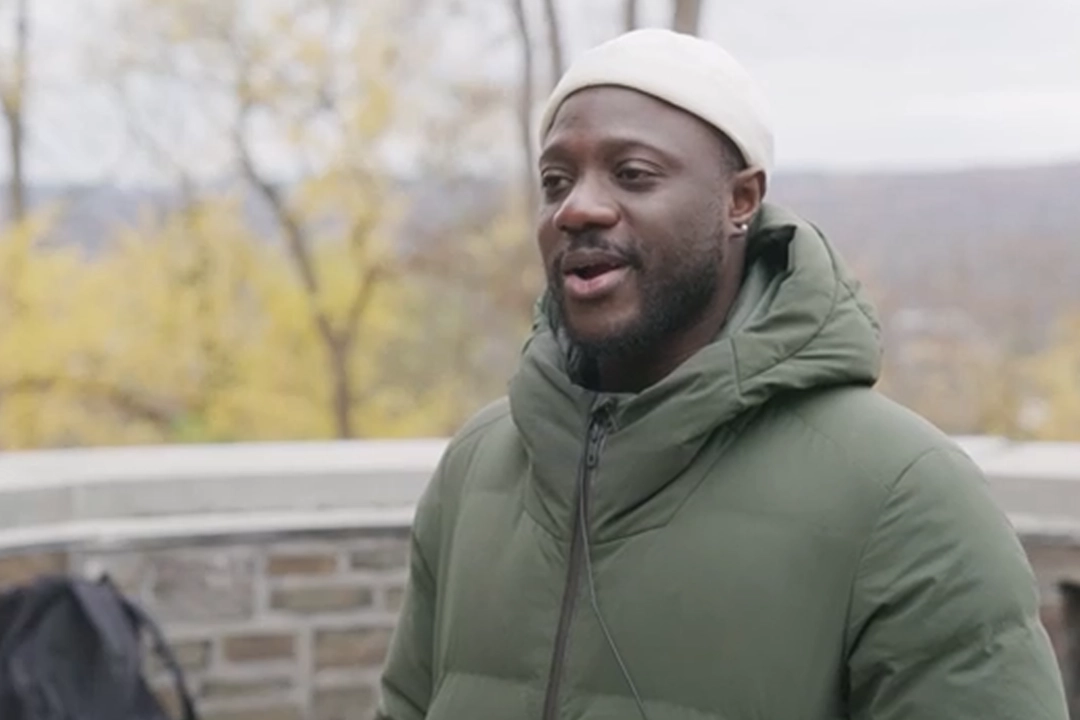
{"points": [[653, 161]]}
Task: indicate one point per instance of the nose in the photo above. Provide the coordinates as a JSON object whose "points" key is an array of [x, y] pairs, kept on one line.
{"points": [[586, 207]]}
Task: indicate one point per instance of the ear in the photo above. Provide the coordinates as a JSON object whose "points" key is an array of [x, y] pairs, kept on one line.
{"points": [[747, 193]]}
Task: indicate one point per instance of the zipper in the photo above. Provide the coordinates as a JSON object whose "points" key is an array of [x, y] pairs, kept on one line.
{"points": [[594, 442]]}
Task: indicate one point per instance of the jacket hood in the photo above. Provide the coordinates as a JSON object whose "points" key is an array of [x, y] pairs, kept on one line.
{"points": [[800, 322]]}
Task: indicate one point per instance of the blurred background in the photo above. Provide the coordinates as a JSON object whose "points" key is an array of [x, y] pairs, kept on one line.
{"points": [[234, 233], [232, 220]]}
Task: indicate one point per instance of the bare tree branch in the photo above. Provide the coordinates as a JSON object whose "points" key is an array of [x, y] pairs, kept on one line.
{"points": [[686, 16], [125, 400], [554, 38], [291, 228], [13, 103], [525, 101], [338, 346], [360, 301], [630, 15]]}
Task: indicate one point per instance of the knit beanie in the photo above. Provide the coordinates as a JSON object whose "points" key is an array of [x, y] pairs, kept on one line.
{"points": [[693, 74]]}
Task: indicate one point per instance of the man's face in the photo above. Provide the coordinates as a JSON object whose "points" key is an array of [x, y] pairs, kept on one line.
{"points": [[633, 217]]}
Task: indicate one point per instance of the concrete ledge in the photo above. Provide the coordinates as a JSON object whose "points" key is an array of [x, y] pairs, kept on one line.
{"points": [[138, 534], [147, 495], [77, 485], [1062, 531], [279, 570], [199, 530]]}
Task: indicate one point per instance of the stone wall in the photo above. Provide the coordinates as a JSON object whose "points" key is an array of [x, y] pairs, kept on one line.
{"points": [[1056, 561], [291, 629], [296, 627], [277, 569]]}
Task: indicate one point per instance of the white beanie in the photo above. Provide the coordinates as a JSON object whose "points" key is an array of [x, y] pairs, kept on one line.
{"points": [[695, 75]]}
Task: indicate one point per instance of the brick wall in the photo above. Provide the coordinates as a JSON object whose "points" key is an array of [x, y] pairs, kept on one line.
{"points": [[1057, 568], [290, 629], [296, 628]]}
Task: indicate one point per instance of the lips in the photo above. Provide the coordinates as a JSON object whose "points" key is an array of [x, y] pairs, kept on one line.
{"points": [[589, 275]]}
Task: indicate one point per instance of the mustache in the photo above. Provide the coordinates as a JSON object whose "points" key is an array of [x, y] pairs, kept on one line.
{"points": [[595, 240]]}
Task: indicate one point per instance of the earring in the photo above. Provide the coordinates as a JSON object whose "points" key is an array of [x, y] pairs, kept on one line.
{"points": [[742, 227]]}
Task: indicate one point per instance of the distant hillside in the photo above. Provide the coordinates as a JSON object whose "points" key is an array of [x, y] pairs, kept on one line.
{"points": [[1001, 244], [911, 219], [996, 242]]}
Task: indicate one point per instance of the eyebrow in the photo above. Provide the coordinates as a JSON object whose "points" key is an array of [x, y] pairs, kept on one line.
{"points": [[610, 145]]}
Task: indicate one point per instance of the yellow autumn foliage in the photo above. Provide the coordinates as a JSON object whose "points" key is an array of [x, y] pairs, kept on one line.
{"points": [[194, 330], [1055, 377]]}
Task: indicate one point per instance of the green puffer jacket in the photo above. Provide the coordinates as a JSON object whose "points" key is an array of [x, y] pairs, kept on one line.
{"points": [[759, 536]]}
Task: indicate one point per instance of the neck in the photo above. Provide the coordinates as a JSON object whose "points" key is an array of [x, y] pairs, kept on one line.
{"points": [[637, 372]]}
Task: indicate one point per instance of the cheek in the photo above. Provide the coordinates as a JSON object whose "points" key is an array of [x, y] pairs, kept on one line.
{"points": [[685, 242], [547, 240], [704, 237]]}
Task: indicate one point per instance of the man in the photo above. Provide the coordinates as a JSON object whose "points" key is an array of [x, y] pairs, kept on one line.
{"points": [[693, 505]]}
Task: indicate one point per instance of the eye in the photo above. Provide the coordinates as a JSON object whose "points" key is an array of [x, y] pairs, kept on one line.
{"points": [[634, 175], [553, 182]]}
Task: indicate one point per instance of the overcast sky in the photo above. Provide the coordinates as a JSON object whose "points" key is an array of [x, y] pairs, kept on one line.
{"points": [[868, 83], [853, 83]]}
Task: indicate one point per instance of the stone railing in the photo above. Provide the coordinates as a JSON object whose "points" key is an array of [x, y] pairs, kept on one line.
{"points": [[277, 570], [286, 626]]}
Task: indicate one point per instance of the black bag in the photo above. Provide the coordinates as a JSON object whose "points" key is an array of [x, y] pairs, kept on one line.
{"points": [[71, 649]]}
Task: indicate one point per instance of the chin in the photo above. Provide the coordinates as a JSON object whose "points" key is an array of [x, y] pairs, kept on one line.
{"points": [[601, 336]]}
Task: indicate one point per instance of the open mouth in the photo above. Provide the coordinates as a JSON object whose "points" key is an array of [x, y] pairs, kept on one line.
{"points": [[590, 276], [594, 270]]}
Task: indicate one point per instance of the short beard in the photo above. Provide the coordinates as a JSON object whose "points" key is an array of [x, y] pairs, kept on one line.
{"points": [[671, 303]]}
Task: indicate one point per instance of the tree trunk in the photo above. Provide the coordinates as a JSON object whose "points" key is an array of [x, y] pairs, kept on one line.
{"points": [[686, 16], [341, 387], [630, 15], [338, 343], [14, 105], [525, 103], [555, 44]]}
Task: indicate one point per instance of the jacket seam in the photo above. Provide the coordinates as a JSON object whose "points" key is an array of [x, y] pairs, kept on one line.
{"points": [[543, 528], [738, 368], [839, 446], [394, 686], [861, 556], [957, 640], [425, 565], [473, 431], [466, 442], [853, 292], [740, 426]]}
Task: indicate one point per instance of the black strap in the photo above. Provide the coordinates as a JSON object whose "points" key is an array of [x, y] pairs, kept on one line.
{"points": [[161, 647]]}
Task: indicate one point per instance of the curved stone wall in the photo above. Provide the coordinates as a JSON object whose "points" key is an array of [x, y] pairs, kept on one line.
{"points": [[277, 570]]}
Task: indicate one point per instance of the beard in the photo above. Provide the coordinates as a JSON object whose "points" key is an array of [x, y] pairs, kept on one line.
{"points": [[675, 292]]}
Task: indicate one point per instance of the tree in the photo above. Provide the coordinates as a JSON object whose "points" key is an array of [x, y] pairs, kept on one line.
{"points": [[189, 329], [50, 329], [630, 15], [316, 78], [13, 106], [271, 304], [686, 16], [526, 101], [1055, 381]]}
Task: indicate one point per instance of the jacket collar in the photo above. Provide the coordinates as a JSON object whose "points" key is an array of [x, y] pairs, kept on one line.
{"points": [[799, 323]]}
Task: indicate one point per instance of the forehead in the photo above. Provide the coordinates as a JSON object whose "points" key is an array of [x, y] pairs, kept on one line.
{"points": [[609, 113]]}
